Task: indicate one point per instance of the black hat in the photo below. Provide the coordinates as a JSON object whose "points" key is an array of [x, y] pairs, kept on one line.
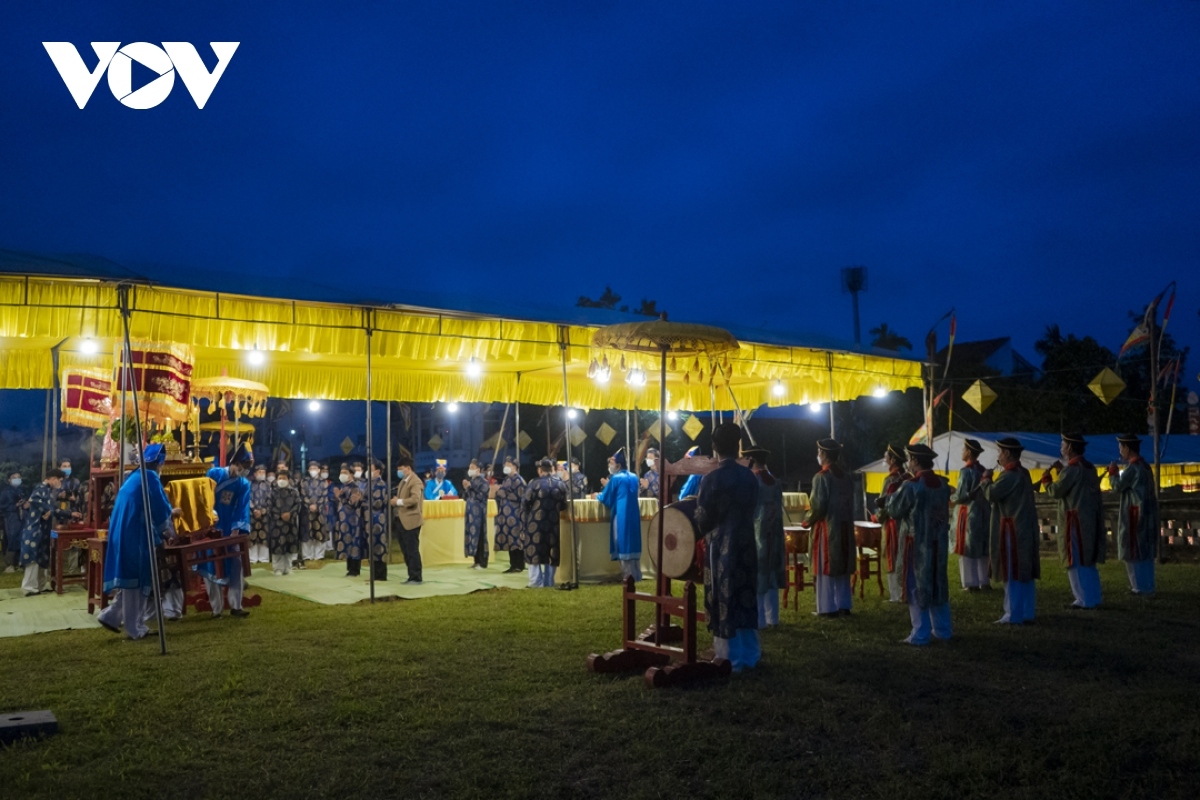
{"points": [[1075, 438], [973, 445], [1129, 438], [829, 446], [1010, 444], [759, 454], [895, 452], [241, 454], [921, 450]]}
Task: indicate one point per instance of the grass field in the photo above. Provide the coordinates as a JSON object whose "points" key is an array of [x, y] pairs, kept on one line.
{"points": [[486, 696]]}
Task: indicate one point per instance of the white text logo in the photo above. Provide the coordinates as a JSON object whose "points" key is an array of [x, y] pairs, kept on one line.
{"points": [[172, 57]]}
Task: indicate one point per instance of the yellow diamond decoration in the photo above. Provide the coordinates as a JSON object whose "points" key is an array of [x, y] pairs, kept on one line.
{"points": [[693, 427], [1107, 385], [605, 433], [577, 435], [979, 396], [347, 446], [655, 430], [523, 440], [435, 443]]}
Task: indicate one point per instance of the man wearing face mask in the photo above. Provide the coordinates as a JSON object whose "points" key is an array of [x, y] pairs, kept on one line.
{"points": [[12, 506], [42, 515], [70, 496], [438, 487], [475, 492], [620, 496], [377, 509], [545, 499], [649, 481], [232, 493], [510, 533], [350, 501], [314, 492], [283, 523], [129, 562], [260, 501], [831, 516], [409, 505]]}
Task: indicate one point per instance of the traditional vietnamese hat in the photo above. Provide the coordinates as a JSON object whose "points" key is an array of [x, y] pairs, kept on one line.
{"points": [[619, 457], [921, 450], [440, 463], [694, 450], [1075, 438], [154, 454], [759, 454], [973, 445], [895, 453], [829, 445], [1010, 444], [1129, 438], [242, 455]]}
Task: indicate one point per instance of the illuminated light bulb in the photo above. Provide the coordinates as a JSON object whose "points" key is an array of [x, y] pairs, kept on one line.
{"points": [[814, 407], [88, 346], [452, 407], [879, 392], [315, 405], [256, 357], [672, 415], [474, 368], [571, 414], [778, 389]]}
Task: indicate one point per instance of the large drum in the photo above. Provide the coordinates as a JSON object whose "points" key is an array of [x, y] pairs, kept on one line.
{"points": [[683, 547], [797, 538], [868, 534]]}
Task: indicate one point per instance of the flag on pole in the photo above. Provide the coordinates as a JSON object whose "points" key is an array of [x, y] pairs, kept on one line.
{"points": [[925, 429], [950, 345], [1141, 334]]}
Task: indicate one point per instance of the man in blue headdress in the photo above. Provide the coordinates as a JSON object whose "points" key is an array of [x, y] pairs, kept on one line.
{"points": [[438, 487], [691, 487], [620, 495], [233, 517], [130, 561]]}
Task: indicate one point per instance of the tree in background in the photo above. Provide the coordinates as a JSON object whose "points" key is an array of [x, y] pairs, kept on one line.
{"points": [[885, 338]]}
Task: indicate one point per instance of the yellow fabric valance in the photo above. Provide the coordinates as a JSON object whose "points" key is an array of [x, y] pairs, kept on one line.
{"points": [[318, 351]]}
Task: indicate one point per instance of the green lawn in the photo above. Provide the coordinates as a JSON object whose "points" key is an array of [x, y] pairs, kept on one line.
{"points": [[486, 696]]}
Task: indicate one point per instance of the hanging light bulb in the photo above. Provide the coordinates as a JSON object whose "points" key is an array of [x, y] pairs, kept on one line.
{"points": [[256, 357], [88, 346], [452, 407], [315, 405], [474, 368], [778, 389], [672, 415], [571, 413], [879, 392], [814, 407]]}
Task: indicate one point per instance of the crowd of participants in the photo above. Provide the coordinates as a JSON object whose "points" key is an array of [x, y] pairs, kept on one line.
{"points": [[988, 519]]}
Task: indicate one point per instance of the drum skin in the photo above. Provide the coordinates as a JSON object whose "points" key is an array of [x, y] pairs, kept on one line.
{"points": [[683, 546]]}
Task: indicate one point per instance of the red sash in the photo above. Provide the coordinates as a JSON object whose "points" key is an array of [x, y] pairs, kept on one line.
{"points": [[908, 557], [960, 533], [821, 546], [893, 532], [1008, 546], [1073, 533]]}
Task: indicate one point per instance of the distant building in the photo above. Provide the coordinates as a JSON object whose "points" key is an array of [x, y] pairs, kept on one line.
{"points": [[997, 354]]}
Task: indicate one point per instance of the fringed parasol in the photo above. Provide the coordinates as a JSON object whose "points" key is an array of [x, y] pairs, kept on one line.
{"points": [[249, 397], [86, 397]]}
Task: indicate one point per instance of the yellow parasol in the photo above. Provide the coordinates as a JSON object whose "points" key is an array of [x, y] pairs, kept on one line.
{"points": [[246, 397]]}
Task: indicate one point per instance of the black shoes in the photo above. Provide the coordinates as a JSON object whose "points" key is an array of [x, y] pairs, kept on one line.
{"points": [[239, 613]]}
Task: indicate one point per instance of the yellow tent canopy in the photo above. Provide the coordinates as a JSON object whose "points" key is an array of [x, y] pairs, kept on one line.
{"points": [[317, 350]]}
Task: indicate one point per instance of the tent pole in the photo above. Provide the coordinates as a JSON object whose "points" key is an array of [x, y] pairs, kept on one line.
{"points": [[387, 512], [123, 296], [574, 583], [516, 426], [660, 577], [832, 427], [46, 435], [370, 478]]}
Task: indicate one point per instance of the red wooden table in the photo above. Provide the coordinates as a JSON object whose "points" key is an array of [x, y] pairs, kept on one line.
{"points": [[62, 540]]}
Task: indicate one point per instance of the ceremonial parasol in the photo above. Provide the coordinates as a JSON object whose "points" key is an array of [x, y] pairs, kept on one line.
{"points": [[667, 340], [248, 398], [86, 397]]}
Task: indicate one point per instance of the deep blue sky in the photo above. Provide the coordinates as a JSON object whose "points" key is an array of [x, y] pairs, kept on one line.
{"points": [[1027, 162]]}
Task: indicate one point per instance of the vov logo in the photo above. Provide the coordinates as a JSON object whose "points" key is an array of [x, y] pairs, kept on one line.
{"points": [[118, 61]]}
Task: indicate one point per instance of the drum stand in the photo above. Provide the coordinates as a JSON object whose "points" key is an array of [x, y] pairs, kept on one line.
{"points": [[651, 650]]}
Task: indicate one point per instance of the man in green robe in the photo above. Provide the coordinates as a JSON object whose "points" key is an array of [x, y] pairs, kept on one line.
{"points": [[924, 502], [1014, 540], [831, 516], [895, 532], [1138, 524], [1081, 534], [971, 516], [769, 539]]}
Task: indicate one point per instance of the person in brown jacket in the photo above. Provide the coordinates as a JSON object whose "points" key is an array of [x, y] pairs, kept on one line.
{"points": [[408, 504]]}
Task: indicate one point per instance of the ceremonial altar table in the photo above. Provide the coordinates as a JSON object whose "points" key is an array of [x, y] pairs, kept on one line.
{"points": [[595, 563], [62, 540]]}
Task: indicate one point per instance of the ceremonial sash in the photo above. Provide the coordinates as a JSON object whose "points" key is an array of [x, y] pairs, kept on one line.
{"points": [[960, 532], [821, 546], [1008, 546], [908, 556], [892, 528], [1134, 553], [1073, 533]]}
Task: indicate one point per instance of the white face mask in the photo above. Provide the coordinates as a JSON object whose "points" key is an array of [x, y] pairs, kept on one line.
{"points": [[281, 483], [15, 482], [474, 473], [260, 476], [613, 469], [358, 473], [508, 470], [314, 473], [650, 463], [324, 476], [344, 477], [819, 463]]}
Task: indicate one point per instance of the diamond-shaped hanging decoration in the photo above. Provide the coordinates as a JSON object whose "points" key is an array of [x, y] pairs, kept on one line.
{"points": [[347, 446], [655, 430], [577, 435], [605, 433], [1107, 385], [435, 443], [979, 396], [523, 440], [693, 427]]}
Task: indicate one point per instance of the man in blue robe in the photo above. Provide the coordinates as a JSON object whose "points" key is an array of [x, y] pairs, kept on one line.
{"points": [[545, 499], [260, 502], [1138, 523], [438, 487], [232, 493], [510, 533], [620, 496], [129, 562], [475, 492], [691, 487], [725, 513], [42, 514], [578, 482]]}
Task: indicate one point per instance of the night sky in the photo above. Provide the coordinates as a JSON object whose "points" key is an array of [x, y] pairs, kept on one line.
{"points": [[1027, 163]]}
